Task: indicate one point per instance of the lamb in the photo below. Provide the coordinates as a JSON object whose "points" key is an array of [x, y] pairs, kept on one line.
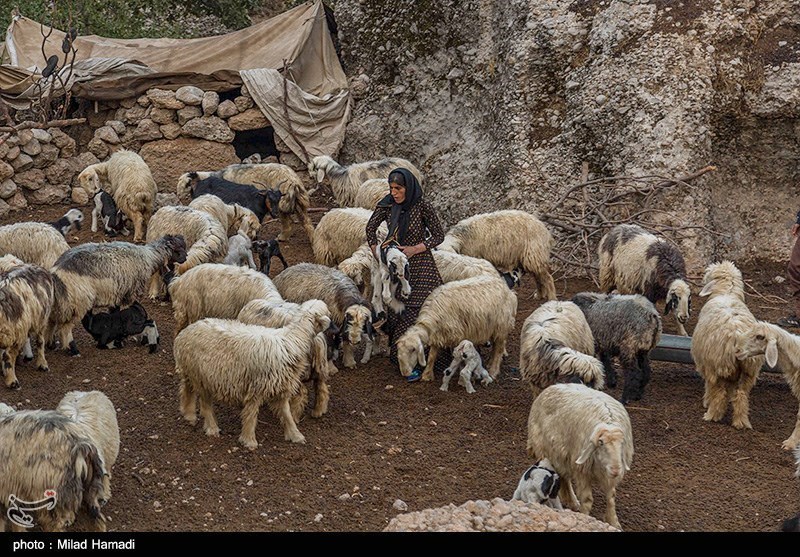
{"points": [[105, 211], [779, 347], [233, 218], [478, 309], [371, 192], [539, 484], [587, 436], [636, 262], [508, 239], [128, 179], [389, 279], [270, 314], [36, 243], [217, 290], [267, 366], [41, 452], [26, 301], [240, 251], [339, 233], [556, 342], [465, 354], [627, 326], [349, 310], [110, 329], [105, 275], [266, 250], [71, 220], [346, 180], [261, 202], [720, 326]]}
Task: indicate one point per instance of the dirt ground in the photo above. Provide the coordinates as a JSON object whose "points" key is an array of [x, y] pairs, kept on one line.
{"points": [[384, 439]]}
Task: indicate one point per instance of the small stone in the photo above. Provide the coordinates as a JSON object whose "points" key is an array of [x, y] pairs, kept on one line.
{"points": [[6, 170], [24, 137], [455, 73], [318, 517], [388, 387], [163, 98], [7, 189], [344, 497], [190, 95], [171, 130], [42, 136], [778, 279], [13, 153], [226, 109], [157, 504], [143, 101], [249, 482], [86, 381], [601, 99], [107, 134], [210, 103], [79, 196], [186, 114], [17, 201], [98, 148], [400, 505], [162, 116], [572, 84], [116, 125], [147, 130], [32, 147], [243, 103]]}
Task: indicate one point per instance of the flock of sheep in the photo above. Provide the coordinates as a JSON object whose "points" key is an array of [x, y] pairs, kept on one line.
{"points": [[246, 340]]}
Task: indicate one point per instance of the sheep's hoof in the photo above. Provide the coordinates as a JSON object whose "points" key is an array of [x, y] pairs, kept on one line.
{"points": [[27, 359], [709, 417], [251, 444], [73, 349], [191, 418], [470, 391], [14, 385], [296, 439], [427, 376], [789, 444], [212, 431], [742, 424], [43, 369], [317, 413], [443, 388], [350, 365]]}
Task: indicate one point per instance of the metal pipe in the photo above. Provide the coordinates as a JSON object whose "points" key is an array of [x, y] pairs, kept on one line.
{"points": [[675, 348]]}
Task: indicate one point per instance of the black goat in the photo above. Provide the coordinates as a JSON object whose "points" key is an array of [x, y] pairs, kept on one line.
{"points": [[266, 250], [261, 202], [111, 328]]}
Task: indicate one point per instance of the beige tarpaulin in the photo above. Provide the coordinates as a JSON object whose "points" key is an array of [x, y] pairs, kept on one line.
{"points": [[120, 68]]}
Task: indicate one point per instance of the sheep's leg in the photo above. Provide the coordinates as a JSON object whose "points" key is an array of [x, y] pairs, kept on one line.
{"points": [[448, 374], [94, 221], [643, 359], [466, 376], [585, 497], [567, 495], [207, 412], [307, 226], [794, 438], [706, 391], [249, 421], [611, 507], [608, 367], [347, 355], [298, 403], [290, 431], [717, 400], [27, 351], [9, 364], [367, 351], [433, 352], [250, 262], [321, 397], [286, 227], [633, 379], [547, 288], [41, 361], [188, 401], [741, 401], [498, 348], [155, 289], [138, 228]]}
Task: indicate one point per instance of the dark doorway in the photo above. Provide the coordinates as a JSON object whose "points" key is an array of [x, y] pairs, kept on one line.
{"points": [[261, 141]]}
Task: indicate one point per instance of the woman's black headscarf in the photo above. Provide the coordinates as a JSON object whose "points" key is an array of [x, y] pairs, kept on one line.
{"points": [[398, 221]]}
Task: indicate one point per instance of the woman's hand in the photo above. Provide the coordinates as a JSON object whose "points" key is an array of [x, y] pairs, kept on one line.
{"points": [[411, 251]]}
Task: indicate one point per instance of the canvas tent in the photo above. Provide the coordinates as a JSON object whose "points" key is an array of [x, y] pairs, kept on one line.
{"points": [[308, 110]]}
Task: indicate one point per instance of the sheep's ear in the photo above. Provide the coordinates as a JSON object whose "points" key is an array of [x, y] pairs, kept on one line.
{"points": [[708, 288], [587, 451], [771, 352], [556, 486], [421, 354], [671, 304], [547, 486], [320, 175]]}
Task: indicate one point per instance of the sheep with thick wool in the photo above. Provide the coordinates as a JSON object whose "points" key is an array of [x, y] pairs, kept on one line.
{"points": [[346, 181], [722, 322], [371, 192], [779, 348], [557, 343], [508, 239], [268, 313], [105, 275], [479, 309], [44, 451], [587, 437], [233, 218], [26, 302], [627, 326], [339, 233], [37, 243], [349, 310], [359, 268], [633, 261], [217, 290], [248, 365], [128, 179]]}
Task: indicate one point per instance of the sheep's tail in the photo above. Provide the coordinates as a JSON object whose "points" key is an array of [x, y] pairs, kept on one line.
{"points": [[288, 201], [143, 198], [582, 366]]}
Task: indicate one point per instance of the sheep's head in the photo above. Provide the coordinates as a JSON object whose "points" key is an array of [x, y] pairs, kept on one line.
{"points": [[723, 278], [319, 312], [759, 339], [465, 351], [397, 263], [318, 167], [75, 218], [513, 278], [176, 246], [679, 300], [538, 484], [272, 200], [585, 300], [410, 351], [356, 318], [89, 180], [605, 446]]}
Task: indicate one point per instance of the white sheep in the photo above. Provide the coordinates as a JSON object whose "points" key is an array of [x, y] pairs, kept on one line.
{"points": [[779, 348], [346, 180], [340, 232], [721, 324], [371, 192], [359, 268], [217, 290], [508, 239], [128, 179], [37, 243], [240, 251], [247, 365], [478, 309], [634, 261], [233, 217], [467, 356], [555, 343], [587, 436], [539, 484], [455, 266]]}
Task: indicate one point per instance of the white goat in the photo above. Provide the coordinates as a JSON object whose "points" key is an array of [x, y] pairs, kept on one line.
{"points": [[240, 251], [466, 355]]}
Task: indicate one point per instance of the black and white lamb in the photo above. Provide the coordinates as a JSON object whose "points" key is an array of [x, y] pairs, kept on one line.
{"points": [[71, 220], [111, 328], [107, 212]]}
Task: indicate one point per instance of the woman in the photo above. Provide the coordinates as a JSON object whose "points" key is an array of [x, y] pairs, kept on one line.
{"points": [[414, 225]]}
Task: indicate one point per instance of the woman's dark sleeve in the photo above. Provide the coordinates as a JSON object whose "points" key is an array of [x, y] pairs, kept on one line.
{"points": [[434, 226], [378, 216]]}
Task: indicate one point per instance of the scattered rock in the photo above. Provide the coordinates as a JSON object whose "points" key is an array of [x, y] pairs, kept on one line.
{"points": [[98, 148], [117, 126], [79, 196], [147, 130], [243, 103], [22, 162], [32, 147], [24, 137], [17, 201], [6, 170], [32, 179], [48, 156], [42, 136], [171, 130], [13, 153], [400, 505], [186, 114], [107, 134], [136, 114], [7, 188], [162, 116], [60, 172]]}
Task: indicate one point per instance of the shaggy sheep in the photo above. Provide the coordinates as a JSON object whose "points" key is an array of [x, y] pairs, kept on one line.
{"points": [[508, 239], [127, 178], [539, 484], [233, 218], [466, 355], [240, 251], [36, 243], [261, 202], [267, 365], [349, 310], [359, 268], [556, 342], [110, 329], [6, 409], [478, 309], [627, 326], [636, 262], [455, 266], [41, 452], [71, 220], [270, 314], [105, 275], [721, 324], [346, 180], [26, 302], [105, 211], [339, 233], [587, 437], [371, 192], [779, 348], [266, 250], [217, 290]]}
